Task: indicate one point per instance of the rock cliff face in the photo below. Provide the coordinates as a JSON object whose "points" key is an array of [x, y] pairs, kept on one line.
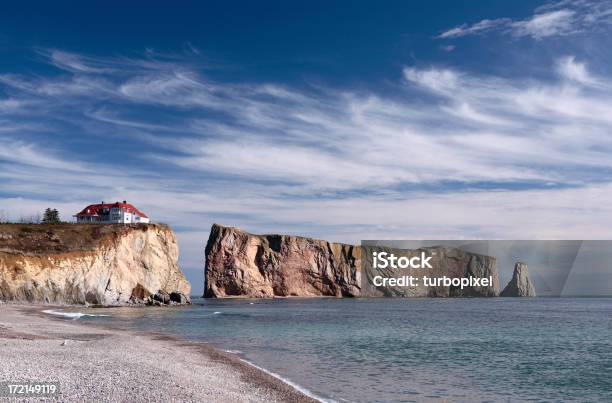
{"points": [[95, 264], [449, 262], [520, 285], [247, 265], [239, 264]]}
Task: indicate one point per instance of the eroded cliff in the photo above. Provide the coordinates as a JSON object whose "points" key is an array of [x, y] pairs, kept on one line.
{"points": [[240, 264], [247, 265], [88, 263], [445, 262]]}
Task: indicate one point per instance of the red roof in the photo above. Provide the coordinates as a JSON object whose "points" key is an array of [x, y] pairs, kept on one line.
{"points": [[95, 209]]}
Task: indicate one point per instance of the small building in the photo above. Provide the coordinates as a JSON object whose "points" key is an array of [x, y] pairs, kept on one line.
{"points": [[112, 213]]}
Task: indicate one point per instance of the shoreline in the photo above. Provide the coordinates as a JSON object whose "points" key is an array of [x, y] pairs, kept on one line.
{"points": [[129, 365]]}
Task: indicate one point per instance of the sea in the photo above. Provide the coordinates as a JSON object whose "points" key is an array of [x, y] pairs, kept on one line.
{"points": [[403, 350]]}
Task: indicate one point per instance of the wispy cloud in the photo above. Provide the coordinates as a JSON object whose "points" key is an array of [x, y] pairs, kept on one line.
{"points": [[479, 27], [326, 141], [28, 154], [74, 63], [573, 70], [552, 23], [560, 18]]}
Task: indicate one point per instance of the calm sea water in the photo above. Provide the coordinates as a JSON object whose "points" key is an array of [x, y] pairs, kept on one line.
{"points": [[367, 350]]}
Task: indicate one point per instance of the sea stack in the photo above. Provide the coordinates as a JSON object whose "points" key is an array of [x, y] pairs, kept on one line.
{"points": [[91, 264], [520, 285], [240, 264]]}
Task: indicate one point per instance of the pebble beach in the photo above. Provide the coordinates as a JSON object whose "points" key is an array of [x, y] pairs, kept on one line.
{"points": [[97, 364]]}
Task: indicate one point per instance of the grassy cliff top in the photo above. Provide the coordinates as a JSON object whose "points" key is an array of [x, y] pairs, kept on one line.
{"points": [[55, 238]]}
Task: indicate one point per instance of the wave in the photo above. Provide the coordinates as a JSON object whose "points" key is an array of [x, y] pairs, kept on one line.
{"points": [[73, 315], [290, 383], [233, 351]]}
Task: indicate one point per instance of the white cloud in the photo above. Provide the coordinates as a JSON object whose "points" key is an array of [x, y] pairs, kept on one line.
{"points": [[75, 63], [555, 19], [323, 141], [481, 26], [574, 71], [11, 105], [553, 23], [28, 154], [447, 48], [441, 80]]}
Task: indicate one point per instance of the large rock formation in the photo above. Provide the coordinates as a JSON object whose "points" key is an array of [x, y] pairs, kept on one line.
{"points": [[247, 265], [519, 285], [239, 264], [452, 263], [89, 263]]}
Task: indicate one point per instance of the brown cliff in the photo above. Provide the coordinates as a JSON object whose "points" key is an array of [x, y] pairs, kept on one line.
{"points": [[240, 264], [247, 265]]}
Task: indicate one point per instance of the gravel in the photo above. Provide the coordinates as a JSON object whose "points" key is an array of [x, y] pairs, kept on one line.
{"points": [[106, 365]]}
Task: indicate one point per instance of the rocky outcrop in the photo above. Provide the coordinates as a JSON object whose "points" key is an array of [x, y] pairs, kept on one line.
{"points": [[239, 264], [247, 265], [88, 263], [520, 285], [452, 263]]}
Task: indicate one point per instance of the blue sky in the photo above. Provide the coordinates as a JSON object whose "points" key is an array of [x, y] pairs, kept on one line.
{"points": [[345, 121]]}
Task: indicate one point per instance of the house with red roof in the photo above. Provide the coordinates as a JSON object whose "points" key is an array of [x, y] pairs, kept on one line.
{"points": [[112, 213]]}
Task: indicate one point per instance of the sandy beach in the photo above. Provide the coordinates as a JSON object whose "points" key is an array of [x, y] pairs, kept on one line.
{"points": [[98, 364]]}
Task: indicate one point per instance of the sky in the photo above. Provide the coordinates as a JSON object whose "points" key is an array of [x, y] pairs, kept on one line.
{"points": [[337, 120]]}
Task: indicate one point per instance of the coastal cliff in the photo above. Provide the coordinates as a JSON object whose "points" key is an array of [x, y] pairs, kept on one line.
{"points": [[247, 265], [520, 285], [444, 261], [90, 263], [240, 264]]}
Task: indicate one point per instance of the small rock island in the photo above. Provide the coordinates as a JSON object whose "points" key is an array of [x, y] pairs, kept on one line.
{"points": [[520, 285]]}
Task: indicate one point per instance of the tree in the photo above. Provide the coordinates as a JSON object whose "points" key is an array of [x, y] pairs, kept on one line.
{"points": [[51, 216]]}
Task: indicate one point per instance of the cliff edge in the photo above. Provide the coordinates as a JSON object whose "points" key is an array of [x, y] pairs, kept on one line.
{"points": [[90, 263], [520, 285], [240, 264]]}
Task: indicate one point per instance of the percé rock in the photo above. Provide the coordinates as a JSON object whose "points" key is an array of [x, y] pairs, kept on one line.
{"points": [[445, 261], [239, 264], [90, 263], [520, 285], [247, 265]]}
